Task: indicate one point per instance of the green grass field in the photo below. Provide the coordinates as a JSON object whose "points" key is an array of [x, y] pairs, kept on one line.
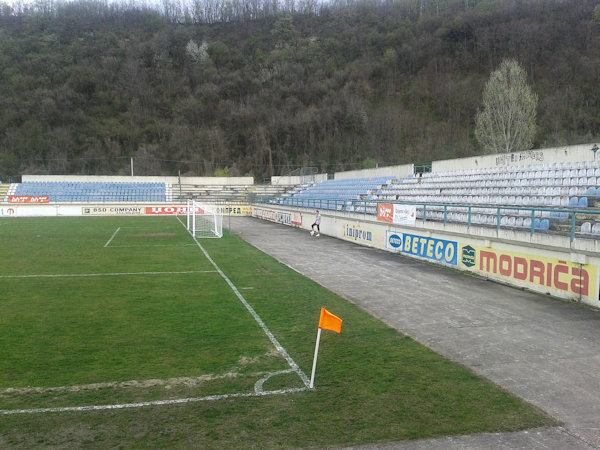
{"points": [[120, 311]]}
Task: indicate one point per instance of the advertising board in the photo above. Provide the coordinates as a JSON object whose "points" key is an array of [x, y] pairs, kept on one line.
{"points": [[397, 214], [28, 199], [553, 275]]}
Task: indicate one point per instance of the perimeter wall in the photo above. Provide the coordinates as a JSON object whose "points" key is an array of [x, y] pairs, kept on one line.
{"points": [[546, 264], [115, 209]]}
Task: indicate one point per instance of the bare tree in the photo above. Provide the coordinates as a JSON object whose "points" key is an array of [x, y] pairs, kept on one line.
{"points": [[507, 121]]}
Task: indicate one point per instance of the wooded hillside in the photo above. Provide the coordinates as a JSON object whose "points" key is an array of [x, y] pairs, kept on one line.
{"points": [[260, 90]]}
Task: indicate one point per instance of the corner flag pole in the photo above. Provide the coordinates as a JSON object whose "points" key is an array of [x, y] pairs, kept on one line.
{"points": [[314, 367], [327, 321]]}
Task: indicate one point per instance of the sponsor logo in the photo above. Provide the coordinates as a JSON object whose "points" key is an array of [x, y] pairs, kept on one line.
{"points": [[7, 212], [405, 214], [394, 241], [385, 212], [430, 248], [112, 210], [398, 214], [233, 210], [166, 210], [534, 270], [356, 233], [284, 218], [468, 256], [552, 273], [28, 199]]}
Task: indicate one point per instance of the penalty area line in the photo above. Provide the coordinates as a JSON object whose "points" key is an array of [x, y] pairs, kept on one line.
{"points": [[176, 401]]}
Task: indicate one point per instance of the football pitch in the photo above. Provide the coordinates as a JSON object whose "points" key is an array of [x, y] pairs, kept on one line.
{"points": [[125, 331]]}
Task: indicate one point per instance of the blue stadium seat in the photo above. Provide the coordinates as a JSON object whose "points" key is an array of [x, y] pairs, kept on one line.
{"points": [[93, 191]]}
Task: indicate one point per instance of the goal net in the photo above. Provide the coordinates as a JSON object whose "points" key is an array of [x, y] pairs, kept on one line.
{"points": [[203, 221]]}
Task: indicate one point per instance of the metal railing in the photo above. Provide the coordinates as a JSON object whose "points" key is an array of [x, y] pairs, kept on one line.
{"points": [[554, 220]]}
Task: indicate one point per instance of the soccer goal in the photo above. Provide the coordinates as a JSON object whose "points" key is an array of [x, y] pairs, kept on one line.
{"points": [[203, 221]]}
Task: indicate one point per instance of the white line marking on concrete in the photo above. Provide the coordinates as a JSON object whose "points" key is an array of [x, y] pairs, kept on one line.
{"points": [[176, 401], [112, 237], [254, 314], [69, 275]]}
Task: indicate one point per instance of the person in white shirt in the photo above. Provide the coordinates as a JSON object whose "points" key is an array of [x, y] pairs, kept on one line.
{"points": [[317, 223]]}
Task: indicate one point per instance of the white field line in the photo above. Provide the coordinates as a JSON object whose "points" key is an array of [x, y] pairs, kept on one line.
{"points": [[258, 386], [139, 246], [131, 384], [176, 401], [112, 237], [137, 384], [147, 246], [282, 351], [69, 275]]}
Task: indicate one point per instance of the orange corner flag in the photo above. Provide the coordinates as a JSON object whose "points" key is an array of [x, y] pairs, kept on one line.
{"points": [[328, 321]]}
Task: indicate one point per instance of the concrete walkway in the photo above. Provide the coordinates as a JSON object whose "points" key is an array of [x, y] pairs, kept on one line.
{"points": [[543, 350]]}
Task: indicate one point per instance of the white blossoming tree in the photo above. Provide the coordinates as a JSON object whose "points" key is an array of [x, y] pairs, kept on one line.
{"points": [[507, 120]]}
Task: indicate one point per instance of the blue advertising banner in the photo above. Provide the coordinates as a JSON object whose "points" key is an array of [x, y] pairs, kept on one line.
{"points": [[430, 248]]}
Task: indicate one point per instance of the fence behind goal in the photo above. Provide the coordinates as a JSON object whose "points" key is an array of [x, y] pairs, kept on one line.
{"points": [[203, 221]]}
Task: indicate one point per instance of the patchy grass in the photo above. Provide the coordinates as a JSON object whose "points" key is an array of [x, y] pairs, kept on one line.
{"points": [[158, 333]]}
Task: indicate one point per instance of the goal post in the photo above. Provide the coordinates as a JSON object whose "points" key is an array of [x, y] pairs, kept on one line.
{"points": [[204, 221]]}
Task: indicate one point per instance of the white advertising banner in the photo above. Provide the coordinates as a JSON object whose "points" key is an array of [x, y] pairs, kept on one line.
{"points": [[405, 215]]}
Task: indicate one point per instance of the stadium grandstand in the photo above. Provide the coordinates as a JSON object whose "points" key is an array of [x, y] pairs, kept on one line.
{"points": [[337, 194], [118, 189], [543, 197], [552, 190], [530, 219], [91, 191]]}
